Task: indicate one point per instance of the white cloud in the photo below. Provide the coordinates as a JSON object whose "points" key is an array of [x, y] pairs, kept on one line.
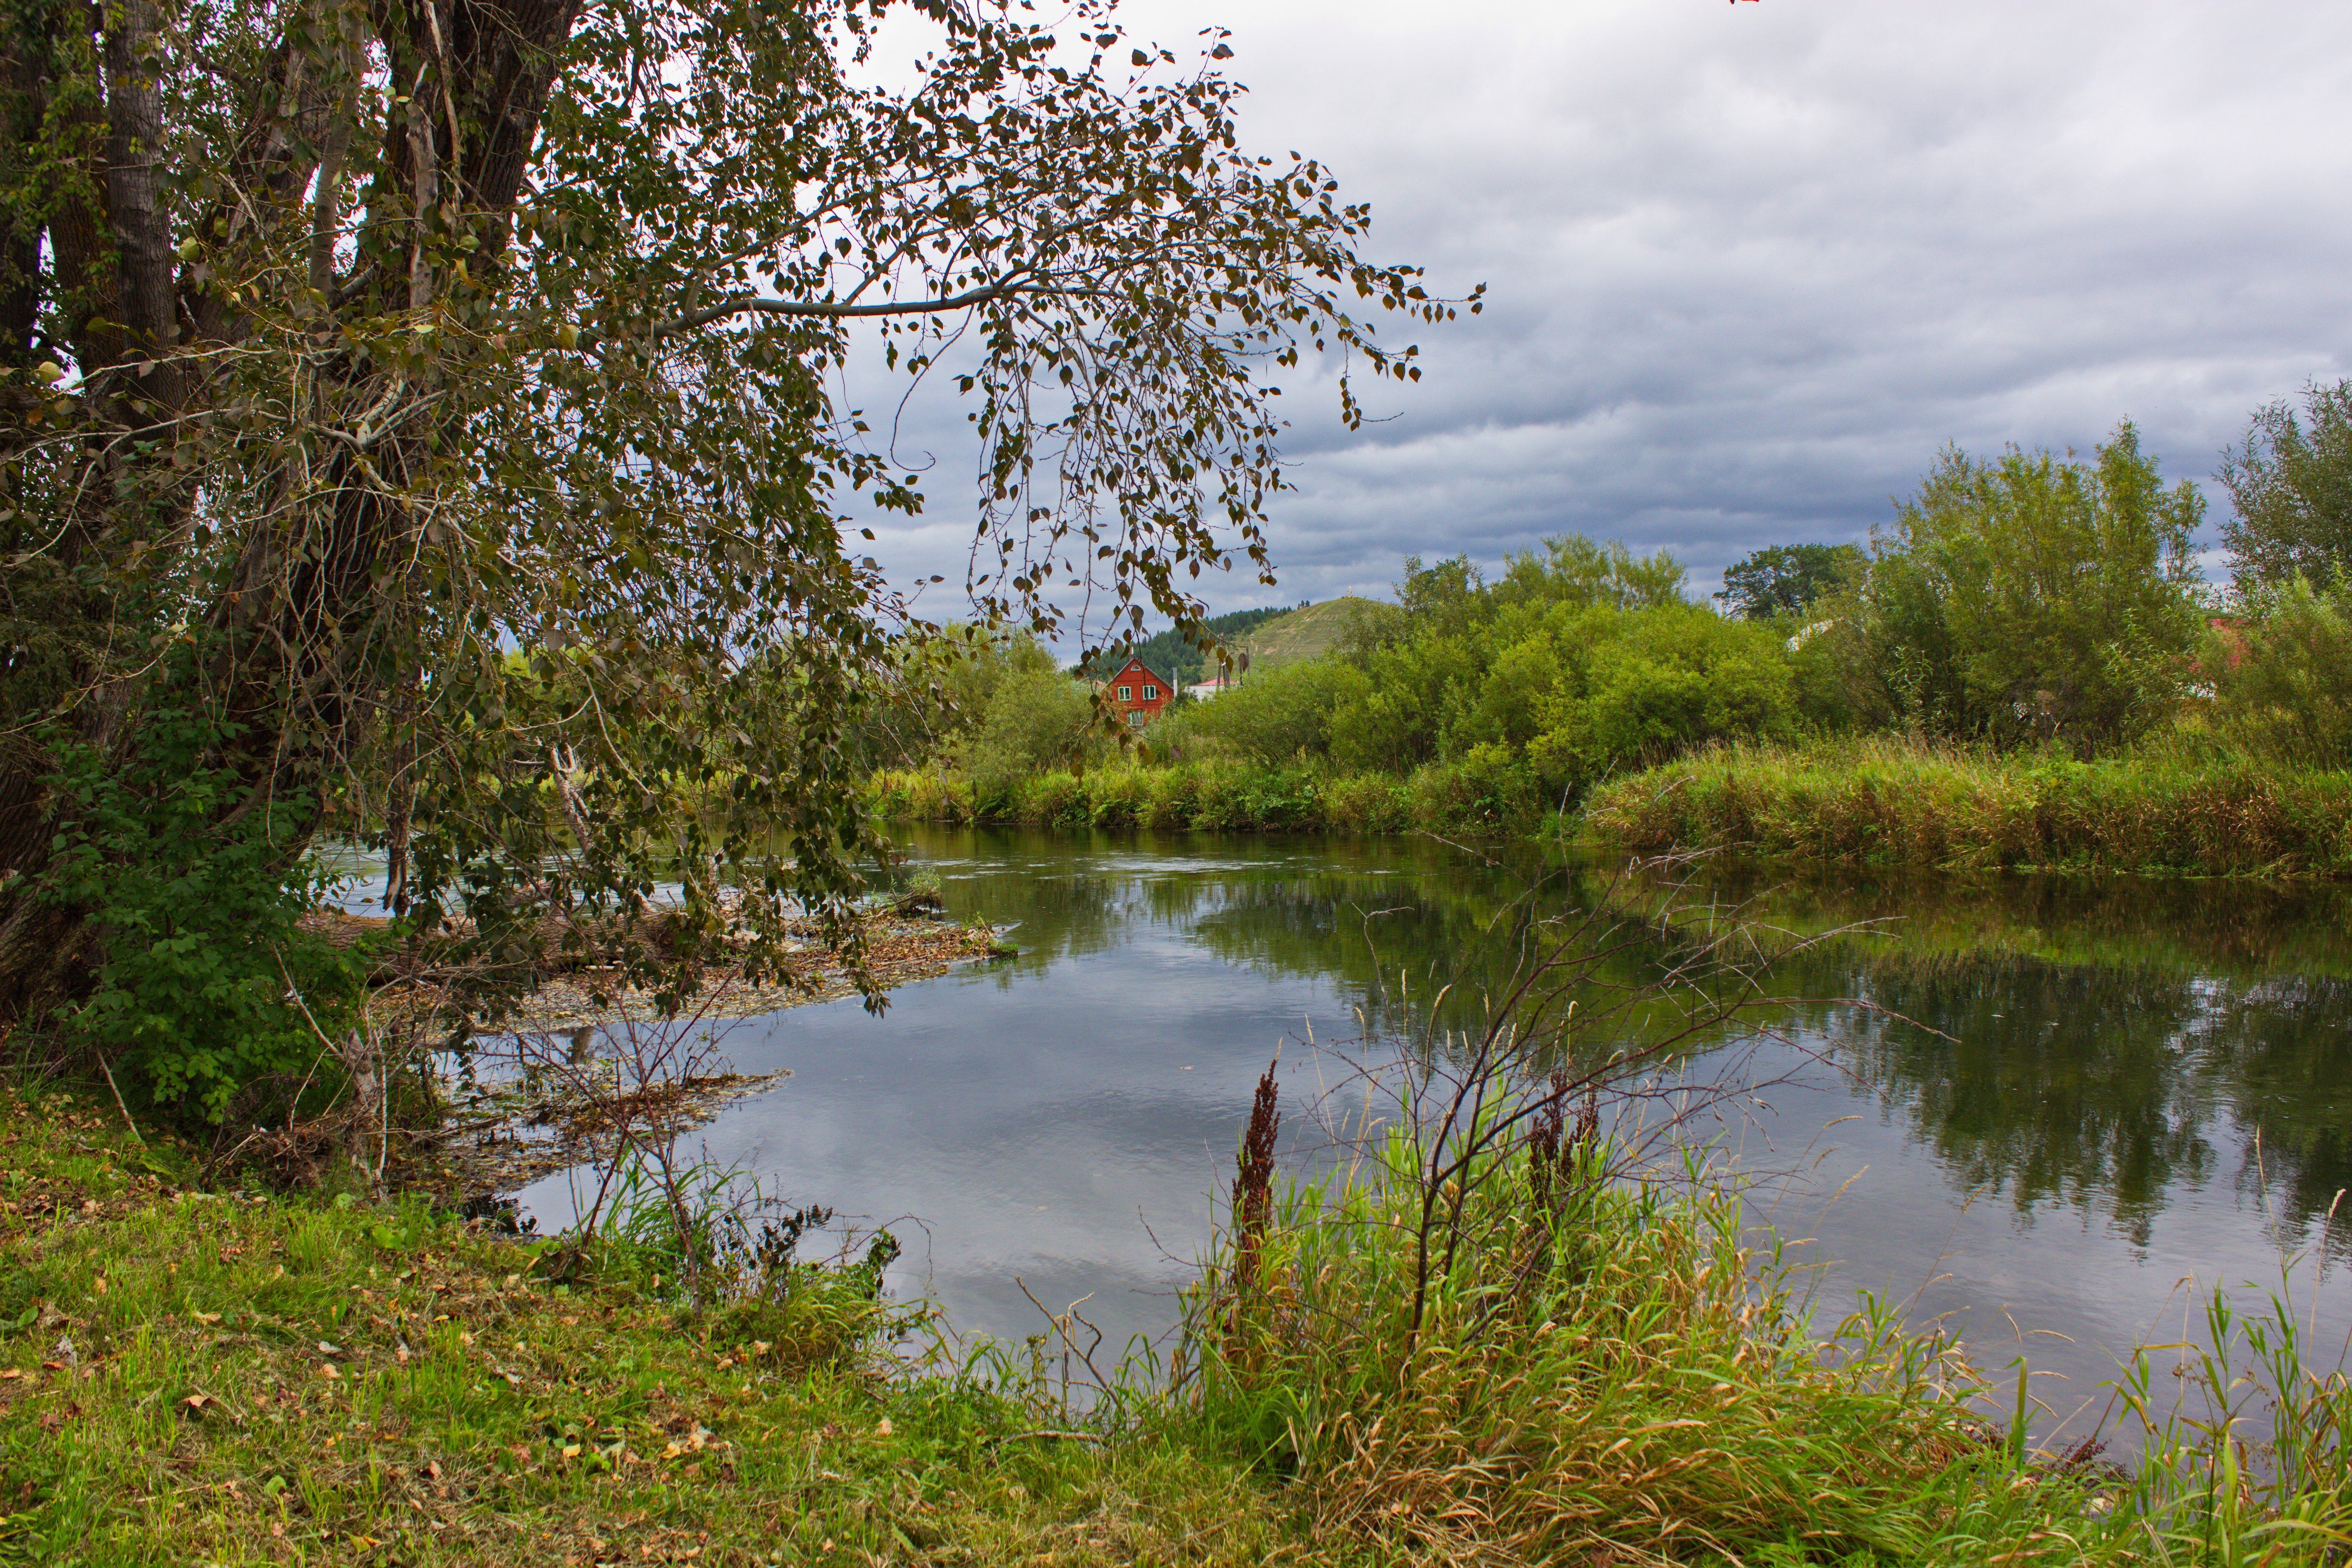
{"points": [[1750, 266]]}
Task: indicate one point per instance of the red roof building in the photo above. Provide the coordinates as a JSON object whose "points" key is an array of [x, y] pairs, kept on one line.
{"points": [[1139, 692]]}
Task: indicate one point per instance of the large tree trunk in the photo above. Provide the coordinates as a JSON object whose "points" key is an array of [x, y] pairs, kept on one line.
{"points": [[302, 650]]}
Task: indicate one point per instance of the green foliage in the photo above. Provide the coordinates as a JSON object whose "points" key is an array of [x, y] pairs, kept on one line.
{"points": [[1786, 579], [1879, 802], [195, 884], [1275, 715], [1034, 720], [2028, 596], [2290, 484], [1573, 689], [2281, 675], [541, 363], [1570, 569]]}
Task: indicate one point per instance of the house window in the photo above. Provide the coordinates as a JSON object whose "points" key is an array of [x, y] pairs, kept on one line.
{"points": [[1127, 694], [1151, 692], [1135, 720]]}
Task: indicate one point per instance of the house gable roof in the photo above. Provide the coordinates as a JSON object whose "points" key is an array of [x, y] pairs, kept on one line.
{"points": [[1138, 666]]}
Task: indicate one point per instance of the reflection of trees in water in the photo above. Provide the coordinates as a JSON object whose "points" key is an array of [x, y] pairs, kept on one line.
{"points": [[2111, 1043], [2105, 1089], [2284, 1050], [2205, 926]]}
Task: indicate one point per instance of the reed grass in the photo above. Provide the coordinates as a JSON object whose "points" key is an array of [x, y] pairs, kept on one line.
{"points": [[1883, 802], [1608, 1371], [1219, 795]]}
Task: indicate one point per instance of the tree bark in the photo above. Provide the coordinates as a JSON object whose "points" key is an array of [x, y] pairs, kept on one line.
{"points": [[303, 618]]}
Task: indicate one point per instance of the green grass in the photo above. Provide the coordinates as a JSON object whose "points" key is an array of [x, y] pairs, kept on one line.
{"points": [[1601, 1372], [1221, 795], [1302, 634], [471, 1411], [1888, 803]]}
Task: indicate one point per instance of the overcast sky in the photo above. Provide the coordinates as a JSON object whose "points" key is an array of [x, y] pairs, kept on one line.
{"points": [[1750, 265]]}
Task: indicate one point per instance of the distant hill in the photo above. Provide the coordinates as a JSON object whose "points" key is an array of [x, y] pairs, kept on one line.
{"points": [[1179, 660], [1302, 634]]}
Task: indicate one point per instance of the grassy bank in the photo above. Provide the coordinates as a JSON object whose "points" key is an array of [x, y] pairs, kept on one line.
{"points": [[193, 1377], [1881, 802], [1587, 1372], [1507, 1354], [1225, 796]]}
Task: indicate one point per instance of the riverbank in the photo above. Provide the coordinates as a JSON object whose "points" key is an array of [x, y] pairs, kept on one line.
{"points": [[1872, 804], [1223, 796], [1883, 802], [242, 1377]]}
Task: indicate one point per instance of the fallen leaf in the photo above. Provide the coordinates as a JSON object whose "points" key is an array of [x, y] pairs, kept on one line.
{"points": [[53, 1366], [206, 1316], [9, 1374], [198, 1400], [884, 1429], [512, 1381], [571, 1450], [326, 1349], [327, 1371]]}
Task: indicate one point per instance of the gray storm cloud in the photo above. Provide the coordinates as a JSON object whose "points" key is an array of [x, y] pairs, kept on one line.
{"points": [[1750, 266]]}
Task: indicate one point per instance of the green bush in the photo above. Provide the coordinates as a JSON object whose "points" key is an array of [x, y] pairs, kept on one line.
{"points": [[1033, 720], [1275, 716], [1587, 690], [2028, 598], [206, 974], [2281, 678]]}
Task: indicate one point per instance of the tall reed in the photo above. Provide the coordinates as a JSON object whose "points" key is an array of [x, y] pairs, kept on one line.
{"points": [[1890, 802]]}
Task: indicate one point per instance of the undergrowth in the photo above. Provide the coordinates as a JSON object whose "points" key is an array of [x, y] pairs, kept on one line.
{"points": [[2198, 810], [1482, 796], [230, 1377], [1535, 1359], [1540, 1360]]}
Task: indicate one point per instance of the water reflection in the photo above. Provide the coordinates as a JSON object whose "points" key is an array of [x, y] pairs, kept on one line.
{"points": [[2101, 1088]]}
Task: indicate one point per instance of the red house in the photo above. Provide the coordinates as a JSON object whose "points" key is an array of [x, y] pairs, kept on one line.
{"points": [[1140, 692]]}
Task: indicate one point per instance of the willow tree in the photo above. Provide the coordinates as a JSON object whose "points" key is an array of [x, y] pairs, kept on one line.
{"points": [[427, 412]]}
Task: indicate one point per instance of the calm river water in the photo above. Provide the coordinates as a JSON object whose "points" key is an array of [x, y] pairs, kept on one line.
{"points": [[2110, 1094]]}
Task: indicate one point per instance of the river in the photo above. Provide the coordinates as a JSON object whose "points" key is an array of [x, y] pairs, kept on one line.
{"points": [[2065, 1109]]}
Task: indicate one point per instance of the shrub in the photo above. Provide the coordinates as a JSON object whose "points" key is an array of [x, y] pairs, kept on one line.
{"points": [[2283, 679], [1275, 715], [208, 984], [2030, 597], [1034, 719]]}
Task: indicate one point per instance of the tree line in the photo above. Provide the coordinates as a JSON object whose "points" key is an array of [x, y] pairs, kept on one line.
{"points": [[2028, 598]]}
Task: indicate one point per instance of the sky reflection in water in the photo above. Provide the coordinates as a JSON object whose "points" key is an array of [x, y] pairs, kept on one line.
{"points": [[2073, 1134]]}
